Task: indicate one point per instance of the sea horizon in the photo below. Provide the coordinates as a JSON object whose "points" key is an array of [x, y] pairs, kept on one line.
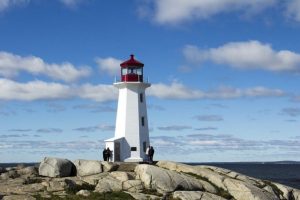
{"points": [[221, 162]]}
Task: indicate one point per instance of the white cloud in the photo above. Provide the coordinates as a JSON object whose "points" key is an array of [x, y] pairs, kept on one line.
{"points": [[174, 91], [179, 91], [37, 90], [176, 11], [246, 55], [11, 65], [293, 9], [109, 65], [98, 93], [5, 4], [34, 90]]}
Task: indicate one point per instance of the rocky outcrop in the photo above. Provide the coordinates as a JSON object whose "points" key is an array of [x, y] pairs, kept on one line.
{"points": [[195, 195], [2, 170], [87, 167], [237, 185], [55, 167], [109, 184], [164, 180], [109, 166]]}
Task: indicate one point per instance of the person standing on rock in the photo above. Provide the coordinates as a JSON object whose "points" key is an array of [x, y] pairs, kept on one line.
{"points": [[108, 154], [151, 154], [104, 154], [147, 153]]}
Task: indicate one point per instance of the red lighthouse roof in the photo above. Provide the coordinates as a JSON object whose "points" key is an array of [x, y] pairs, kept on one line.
{"points": [[132, 62]]}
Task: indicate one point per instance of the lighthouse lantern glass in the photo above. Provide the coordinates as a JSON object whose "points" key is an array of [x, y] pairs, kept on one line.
{"points": [[124, 71]]}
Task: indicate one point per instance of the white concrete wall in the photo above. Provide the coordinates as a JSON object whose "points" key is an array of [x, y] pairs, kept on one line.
{"points": [[128, 121]]}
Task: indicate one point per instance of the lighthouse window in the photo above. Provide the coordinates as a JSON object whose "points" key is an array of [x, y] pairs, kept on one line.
{"points": [[143, 121], [133, 148], [132, 71], [139, 71], [144, 146], [124, 71], [141, 97]]}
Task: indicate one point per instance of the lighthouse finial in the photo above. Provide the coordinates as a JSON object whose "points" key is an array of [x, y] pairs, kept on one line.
{"points": [[131, 56]]}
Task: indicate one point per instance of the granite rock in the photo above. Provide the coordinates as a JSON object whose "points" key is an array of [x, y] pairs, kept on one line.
{"points": [[87, 167], [55, 167]]}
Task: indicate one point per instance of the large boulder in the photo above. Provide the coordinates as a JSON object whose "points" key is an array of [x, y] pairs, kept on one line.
{"points": [[109, 166], [296, 194], [203, 172], [94, 179], [234, 183], [121, 176], [238, 189], [88, 167], [55, 167], [109, 184], [164, 180], [31, 170], [133, 186], [195, 195]]}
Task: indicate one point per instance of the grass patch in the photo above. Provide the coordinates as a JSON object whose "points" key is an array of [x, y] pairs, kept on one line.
{"points": [[93, 196], [32, 181], [151, 192], [76, 188], [220, 191]]}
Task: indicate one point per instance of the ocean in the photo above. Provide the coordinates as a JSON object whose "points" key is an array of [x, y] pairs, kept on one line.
{"points": [[287, 174], [284, 173]]}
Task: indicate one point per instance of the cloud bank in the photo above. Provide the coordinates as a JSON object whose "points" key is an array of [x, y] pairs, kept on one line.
{"points": [[246, 55], [11, 65], [179, 91], [178, 11], [109, 65], [40, 90], [293, 10], [208, 143]]}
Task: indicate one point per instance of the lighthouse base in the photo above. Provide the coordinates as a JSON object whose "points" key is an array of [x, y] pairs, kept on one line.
{"points": [[132, 159]]}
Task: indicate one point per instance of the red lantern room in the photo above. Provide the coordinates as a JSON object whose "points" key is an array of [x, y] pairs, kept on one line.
{"points": [[132, 70]]}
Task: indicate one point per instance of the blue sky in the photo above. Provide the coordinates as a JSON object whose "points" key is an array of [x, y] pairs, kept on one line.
{"points": [[225, 77]]}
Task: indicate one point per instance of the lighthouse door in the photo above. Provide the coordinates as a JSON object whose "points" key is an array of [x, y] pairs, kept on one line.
{"points": [[117, 151]]}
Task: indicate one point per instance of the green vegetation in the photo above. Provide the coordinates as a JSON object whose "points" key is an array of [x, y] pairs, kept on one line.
{"points": [[93, 196], [151, 192], [76, 188], [32, 180]]}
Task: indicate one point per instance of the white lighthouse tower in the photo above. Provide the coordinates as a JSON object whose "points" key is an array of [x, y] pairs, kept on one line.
{"points": [[132, 132]]}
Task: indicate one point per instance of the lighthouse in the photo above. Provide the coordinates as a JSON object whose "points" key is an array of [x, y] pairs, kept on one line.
{"points": [[131, 133]]}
